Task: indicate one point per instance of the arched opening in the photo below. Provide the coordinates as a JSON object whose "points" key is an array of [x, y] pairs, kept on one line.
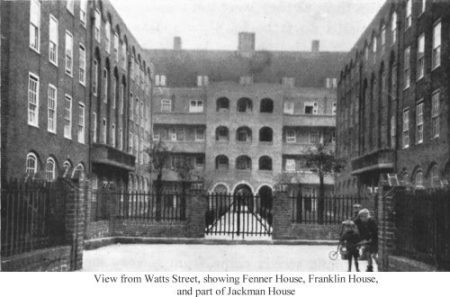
{"points": [[220, 189], [418, 179], [50, 169], [222, 104], [243, 163], [244, 134], [265, 163], [31, 165], [78, 173], [244, 105], [222, 162], [265, 134], [222, 134], [265, 194], [266, 105], [67, 167], [433, 175], [243, 190]]}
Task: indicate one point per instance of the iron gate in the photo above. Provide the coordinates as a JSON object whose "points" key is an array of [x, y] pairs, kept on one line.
{"points": [[239, 216]]}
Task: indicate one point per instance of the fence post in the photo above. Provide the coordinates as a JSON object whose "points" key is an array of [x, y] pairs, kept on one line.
{"points": [[196, 208], [282, 214]]}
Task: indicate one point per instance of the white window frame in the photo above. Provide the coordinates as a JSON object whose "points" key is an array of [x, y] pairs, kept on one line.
{"points": [[97, 25], [52, 102], [113, 135], [420, 56], [172, 134], [393, 131], [53, 40], [394, 30], [408, 14], [314, 105], [166, 105], [290, 165], [28, 169], [122, 89], [120, 139], [105, 77], [419, 123], [116, 47], [68, 116], [405, 130], [108, 37], [83, 12], [291, 136], [35, 25], [70, 5], [33, 100], [104, 132], [407, 68], [435, 113], [81, 131], [94, 127], [82, 65], [68, 54], [437, 40], [95, 78], [196, 106], [199, 136], [50, 175]]}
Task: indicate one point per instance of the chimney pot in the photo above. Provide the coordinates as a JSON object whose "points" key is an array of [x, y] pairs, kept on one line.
{"points": [[177, 43]]}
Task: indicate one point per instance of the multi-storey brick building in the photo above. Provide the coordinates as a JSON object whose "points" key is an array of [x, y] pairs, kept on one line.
{"points": [[393, 99], [75, 95], [245, 117]]}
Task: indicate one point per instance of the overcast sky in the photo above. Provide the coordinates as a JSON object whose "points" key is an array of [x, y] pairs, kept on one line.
{"points": [[278, 24]]}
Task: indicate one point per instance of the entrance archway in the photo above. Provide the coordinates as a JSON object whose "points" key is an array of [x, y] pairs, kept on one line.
{"points": [[243, 190]]}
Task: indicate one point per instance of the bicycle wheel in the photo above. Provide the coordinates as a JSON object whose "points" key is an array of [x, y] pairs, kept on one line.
{"points": [[333, 255]]}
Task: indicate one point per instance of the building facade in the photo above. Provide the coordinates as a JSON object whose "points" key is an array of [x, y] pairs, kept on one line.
{"points": [[245, 118], [75, 96], [393, 100]]}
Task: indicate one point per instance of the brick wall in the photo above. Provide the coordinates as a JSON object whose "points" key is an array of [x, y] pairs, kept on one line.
{"points": [[51, 259]]}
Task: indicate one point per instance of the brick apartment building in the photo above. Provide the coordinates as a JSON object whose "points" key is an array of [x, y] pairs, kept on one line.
{"points": [[75, 97], [246, 117], [393, 100]]}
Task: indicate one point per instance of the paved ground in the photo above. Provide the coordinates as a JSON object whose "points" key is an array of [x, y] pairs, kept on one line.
{"points": [[214, 258]]}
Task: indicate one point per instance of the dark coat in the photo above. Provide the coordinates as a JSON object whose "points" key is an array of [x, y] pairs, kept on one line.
{"points": [[368, 231]]}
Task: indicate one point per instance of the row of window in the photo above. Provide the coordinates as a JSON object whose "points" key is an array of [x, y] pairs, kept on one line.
{"points": [[243, 163], [246, 105], [51, 170], [419, 123], [52, 110]]}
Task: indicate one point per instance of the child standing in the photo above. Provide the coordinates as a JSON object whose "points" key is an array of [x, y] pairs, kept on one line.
{"points": [[350, 238]]}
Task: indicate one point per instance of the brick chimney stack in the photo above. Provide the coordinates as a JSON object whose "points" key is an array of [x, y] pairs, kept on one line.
{"points": [[177, 43], [315, 46]]}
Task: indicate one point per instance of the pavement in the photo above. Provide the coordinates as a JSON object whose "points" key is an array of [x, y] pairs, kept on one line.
{"points": [[213, 258]]}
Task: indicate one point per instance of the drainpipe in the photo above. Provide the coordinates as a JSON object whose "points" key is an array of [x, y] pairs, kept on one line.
{"points": [[89, 86]]}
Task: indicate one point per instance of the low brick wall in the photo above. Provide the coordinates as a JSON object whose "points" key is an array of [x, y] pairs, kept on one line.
{"points": [[399, 264], [145, 228], [97, 229], [310, 232], [50, 259]]}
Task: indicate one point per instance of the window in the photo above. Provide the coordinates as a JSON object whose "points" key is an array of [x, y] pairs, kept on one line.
{"points": [[311, 108], [199, 161], [120, 140], [394, 27], [288, 107], [33, 100], [50, 169], [222, 104], [180, 134], [244, 134], [244, 105], [421, 56], [419, 123], [83, 12], [314, 137], [166, 105], [121, 97], [393, 82], [202, 80], [113, 135], [291, 136], [393, 132], [290, 165], [418, 179], [222, 162], [67, 165], [95, 78], [53, 40], [408, 15], [156, 135], [246, 80], [407, 72], [82, 66], [31, 165], [172, 134], [328, 83], [436, 55], [374, 48], [51, 104], [423, 6], [243, 163], [113, 88], [265, 134], [266, 105], [98, 21], [70, 6], [94, 127], [196, 106], [160, 80], [104, 131], [108, 37], [265, 163], [288, 81], [406, 128], [81, 123], [68, 117], [78, 172], [116, 47], [333, 108], [435, 112], [434, 177], [35, 24], [199, 134], [105, 82], [366, 53], [383, 37], [222, 134], [124, 55], [69, 53]]}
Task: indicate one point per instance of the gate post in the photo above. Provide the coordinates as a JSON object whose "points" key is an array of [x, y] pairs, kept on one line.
{"points": [[281, 214], [196, 208]]}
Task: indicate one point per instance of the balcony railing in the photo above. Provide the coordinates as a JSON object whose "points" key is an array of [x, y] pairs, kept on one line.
{"points": [[379, 160], [103, 154], [308, 120], [180, 118]]}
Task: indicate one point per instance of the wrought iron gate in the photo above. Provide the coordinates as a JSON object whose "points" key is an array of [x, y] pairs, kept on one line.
{"points": [[239, 216]]}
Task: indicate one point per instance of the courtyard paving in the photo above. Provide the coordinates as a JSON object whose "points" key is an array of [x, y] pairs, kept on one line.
{"points": [[213, 258]]}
